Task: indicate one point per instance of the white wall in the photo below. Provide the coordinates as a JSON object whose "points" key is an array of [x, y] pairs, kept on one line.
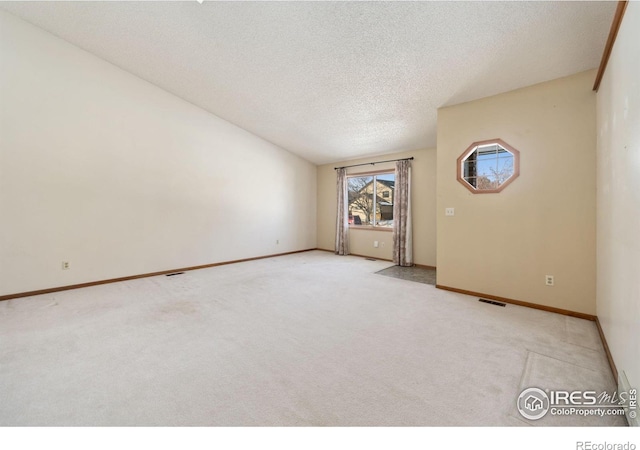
{"points": [[618, 198], [111, 173], [544, 222]]}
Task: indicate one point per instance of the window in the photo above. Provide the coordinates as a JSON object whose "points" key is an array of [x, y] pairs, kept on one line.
{"points": [[488, 166], [371, 199]]}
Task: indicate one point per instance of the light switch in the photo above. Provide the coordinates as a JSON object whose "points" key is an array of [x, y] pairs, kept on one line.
{"points": [[449, 211]]}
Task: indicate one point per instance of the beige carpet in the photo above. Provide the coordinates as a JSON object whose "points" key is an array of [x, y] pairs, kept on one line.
{"points": [[307, 339]]}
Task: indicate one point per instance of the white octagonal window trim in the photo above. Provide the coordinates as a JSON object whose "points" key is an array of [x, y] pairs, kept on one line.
{"points": [[488, 166]]}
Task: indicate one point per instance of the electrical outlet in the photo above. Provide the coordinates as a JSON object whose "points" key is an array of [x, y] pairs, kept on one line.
{"points": [[382, 244], [375, 244], [65, 265], [548, 280], [449, 211]]}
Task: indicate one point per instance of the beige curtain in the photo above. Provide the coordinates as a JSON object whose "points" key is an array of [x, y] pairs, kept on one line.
{"points": [[402, 232], [342, 219]]}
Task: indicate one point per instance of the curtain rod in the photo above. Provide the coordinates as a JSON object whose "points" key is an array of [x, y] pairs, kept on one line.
{"points": [[374, 163]]}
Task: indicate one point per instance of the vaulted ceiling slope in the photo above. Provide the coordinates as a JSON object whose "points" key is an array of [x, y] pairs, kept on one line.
{"points": [[331, 81]]}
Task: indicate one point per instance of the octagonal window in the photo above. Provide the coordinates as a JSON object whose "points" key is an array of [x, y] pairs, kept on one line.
{"points": [[488, 166]]}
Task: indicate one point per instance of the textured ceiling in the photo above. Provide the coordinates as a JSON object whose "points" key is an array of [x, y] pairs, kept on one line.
{"points": [[334, 80]]}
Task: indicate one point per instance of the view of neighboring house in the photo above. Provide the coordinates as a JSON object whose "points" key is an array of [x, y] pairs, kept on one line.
{"points": [[368, 209]]}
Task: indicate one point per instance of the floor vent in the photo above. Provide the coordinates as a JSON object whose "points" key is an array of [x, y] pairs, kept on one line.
{"points": [[371, 259], [172, 274], [491, 302]]}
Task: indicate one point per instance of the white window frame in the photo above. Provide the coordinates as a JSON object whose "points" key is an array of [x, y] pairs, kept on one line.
{"points": [[374, 176]]}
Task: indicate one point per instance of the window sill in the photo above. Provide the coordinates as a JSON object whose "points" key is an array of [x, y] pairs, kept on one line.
{"points": [[364, 227]]}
